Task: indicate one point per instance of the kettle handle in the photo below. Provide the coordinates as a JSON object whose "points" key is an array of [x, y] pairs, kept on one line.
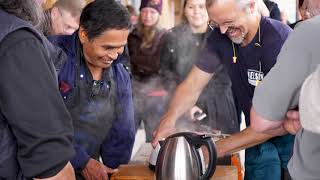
{"points": [[212, 158], [197, 142]]}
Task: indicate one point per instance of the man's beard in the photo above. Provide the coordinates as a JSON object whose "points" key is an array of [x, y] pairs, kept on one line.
{"points": [[238, 40]]}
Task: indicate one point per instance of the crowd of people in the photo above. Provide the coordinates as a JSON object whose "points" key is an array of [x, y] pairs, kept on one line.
{"points": [[78, 78]]}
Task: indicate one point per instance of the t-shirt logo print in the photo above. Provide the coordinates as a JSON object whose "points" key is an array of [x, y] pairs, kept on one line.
{"points": [[254, 77]]}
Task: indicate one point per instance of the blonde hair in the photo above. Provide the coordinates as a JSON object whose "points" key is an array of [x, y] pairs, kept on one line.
{"points": [[147, 34]]}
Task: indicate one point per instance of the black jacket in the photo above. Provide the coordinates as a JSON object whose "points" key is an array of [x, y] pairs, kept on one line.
{"points": [[35, 128]]}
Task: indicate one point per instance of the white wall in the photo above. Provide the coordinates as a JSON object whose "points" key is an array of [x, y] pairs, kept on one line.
{"points": [[289, 6]]}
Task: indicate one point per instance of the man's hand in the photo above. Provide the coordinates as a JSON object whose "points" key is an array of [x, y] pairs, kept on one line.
{"points": [[164, 129], [238, 141], [292, 123], [67, 173], [95, 170]]}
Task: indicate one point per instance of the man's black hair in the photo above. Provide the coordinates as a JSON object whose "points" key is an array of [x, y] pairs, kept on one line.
{"points": [[102, 15]]}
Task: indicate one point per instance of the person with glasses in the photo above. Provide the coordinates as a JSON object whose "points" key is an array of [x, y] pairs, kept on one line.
{"points": [[96, 89], [247, 45], [181, 47]]}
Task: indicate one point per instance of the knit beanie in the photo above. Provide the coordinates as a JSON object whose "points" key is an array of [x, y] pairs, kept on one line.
{"points": [[155, 4]]}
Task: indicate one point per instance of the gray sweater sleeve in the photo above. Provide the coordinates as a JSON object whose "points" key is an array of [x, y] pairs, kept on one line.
{"points": [[280, 89], [32, 106]]}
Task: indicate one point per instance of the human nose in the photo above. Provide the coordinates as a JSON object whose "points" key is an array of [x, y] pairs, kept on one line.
{"points": [[148, 14], [113, 55], [223, 29], [196, 10]]}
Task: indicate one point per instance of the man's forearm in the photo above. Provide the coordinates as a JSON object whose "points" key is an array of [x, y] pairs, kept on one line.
{"points": [[277, 131], [239, 141], [188, 92], [183, 100]]}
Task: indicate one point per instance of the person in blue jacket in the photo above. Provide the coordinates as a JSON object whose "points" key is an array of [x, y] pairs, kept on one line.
{"points": [[96, 89]]}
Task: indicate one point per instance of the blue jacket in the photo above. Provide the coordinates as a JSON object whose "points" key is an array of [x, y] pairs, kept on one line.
{"points": [[117, 146]]}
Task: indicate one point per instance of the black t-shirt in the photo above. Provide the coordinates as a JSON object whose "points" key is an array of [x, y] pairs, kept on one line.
{"points": [[30, 103], [253, 62]]}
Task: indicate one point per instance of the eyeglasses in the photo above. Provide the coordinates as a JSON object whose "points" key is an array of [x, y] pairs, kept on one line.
{"points": [[212, 25], [223, 28]]}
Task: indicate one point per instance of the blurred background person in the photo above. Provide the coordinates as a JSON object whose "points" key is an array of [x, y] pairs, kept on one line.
{"points": [[273, 9], [307, 9], [133, 15], [301, 14], [284, 17], [144, 50], [180, 50], [262, 8], [62, 16]]}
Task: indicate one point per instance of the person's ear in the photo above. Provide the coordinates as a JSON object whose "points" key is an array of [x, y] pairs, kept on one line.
{"points": [[252, 5], [82, 35], [55, 14]]}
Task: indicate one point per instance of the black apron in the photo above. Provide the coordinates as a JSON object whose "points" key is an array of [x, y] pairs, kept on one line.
{"points": [[93, 107]]}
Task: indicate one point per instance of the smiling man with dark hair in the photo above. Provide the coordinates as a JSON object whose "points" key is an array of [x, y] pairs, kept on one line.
{"points": [[96, 89]]}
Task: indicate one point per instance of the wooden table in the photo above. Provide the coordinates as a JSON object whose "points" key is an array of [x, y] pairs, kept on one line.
{"points": [[142, 172], [138, 168]]}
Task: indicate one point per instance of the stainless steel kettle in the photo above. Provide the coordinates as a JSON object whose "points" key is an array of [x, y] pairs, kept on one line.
{"points": [[179, 159]]}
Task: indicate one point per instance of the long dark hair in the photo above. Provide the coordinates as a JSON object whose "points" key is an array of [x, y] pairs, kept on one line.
{"points": [[28, 10]]}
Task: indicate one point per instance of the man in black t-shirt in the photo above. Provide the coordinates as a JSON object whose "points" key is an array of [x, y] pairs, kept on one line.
{"points": [[247, 45]]}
